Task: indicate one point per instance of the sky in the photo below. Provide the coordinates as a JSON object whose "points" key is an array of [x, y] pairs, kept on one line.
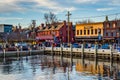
{"points": [[24, 11]]}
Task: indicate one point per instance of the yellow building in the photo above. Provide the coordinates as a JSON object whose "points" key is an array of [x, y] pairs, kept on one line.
{"points": [[89, 31]]}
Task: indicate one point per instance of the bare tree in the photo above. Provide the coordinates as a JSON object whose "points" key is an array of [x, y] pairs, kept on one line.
{"points": [[50, 18], [46, 17]]}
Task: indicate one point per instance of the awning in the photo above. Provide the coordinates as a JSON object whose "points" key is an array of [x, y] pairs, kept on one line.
{"points": [[108, 38], [45, 37], [86, 39]]}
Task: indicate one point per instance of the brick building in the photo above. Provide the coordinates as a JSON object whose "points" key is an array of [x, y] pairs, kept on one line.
{"points": [[56, 32]]}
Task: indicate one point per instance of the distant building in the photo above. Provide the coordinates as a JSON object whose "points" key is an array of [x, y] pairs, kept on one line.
{"points": [[90, 32], [56, 32], [112, 31], [5, 28]]}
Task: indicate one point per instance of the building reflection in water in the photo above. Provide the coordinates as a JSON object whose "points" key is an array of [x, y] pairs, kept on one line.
{"points": [[102, 70], [51, 65]]}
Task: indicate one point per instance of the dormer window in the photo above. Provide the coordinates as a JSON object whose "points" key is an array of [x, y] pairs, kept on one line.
{"points": [[55, 26], [49, 26]]}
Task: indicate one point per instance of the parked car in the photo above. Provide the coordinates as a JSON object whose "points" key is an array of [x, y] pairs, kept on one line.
{"points": [[23, 45], [75, 45], [12, 48], [65, 45], [57, 44], [24, 48], [105, 46], [1, 48]]}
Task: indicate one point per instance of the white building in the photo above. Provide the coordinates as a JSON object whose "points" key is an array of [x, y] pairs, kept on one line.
{"points": [[5, 28]]}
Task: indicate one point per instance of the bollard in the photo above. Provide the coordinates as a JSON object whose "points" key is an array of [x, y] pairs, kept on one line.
{"points": [[44, 49], [52, 50], [30, 51], [95, 54], [18, 55], [71, 55], [95, 57], [71, 50], [95, 63], [61, 50], [4, 53], [21, 49], [82, 51], [111, 53]]}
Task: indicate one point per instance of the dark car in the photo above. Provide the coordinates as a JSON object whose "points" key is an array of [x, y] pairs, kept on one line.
{"points": [[57, 44], [1, 48], [66, 45], [24, 48]]}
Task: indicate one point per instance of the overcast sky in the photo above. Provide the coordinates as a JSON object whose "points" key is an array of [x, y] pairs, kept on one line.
{"points": [[23, 11]]}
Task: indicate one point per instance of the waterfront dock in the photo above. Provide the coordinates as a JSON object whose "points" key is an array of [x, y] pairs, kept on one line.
{"points": [[111, 53], [68, 52]]}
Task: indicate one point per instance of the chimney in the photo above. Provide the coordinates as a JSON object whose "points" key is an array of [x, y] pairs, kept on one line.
{"points": [[106, 18], [42, 25], [64, 22]]}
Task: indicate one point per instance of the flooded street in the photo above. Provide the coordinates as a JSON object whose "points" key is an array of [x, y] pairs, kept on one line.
{"points": [[43, 67]]}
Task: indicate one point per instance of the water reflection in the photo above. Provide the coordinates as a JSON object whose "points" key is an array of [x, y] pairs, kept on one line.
{"points": [[104, 70], [43, 67]]}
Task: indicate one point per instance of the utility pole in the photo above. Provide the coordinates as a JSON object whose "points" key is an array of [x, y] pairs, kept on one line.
{"points": [[33, 27], [68, 16]]}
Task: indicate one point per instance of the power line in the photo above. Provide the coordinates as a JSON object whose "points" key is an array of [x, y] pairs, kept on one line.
{"points": [[96, 16]]}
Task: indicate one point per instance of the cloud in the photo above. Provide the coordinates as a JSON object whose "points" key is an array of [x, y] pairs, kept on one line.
{"points": [[115, 2], [104, 9], [86, 1], [10, 6], [10, 18], [56, 7], [31, 5]]}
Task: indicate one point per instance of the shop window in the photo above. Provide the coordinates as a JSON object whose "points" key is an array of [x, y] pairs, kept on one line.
{"points": [[80, 32], [84, 32], [91, 31], [88, 31], [95, 31], [77, 32]]}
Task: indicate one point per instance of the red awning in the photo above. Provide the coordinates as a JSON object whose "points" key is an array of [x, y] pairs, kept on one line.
{"points": [[44, 37]]}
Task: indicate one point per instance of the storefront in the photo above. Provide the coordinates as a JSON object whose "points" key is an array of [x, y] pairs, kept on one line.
{"points": [[89, 32]]}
